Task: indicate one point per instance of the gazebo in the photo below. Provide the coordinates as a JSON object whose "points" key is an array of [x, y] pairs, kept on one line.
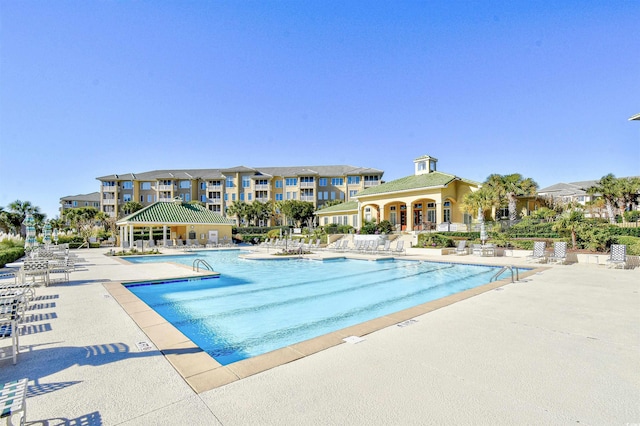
{"points": [[178, 221]]}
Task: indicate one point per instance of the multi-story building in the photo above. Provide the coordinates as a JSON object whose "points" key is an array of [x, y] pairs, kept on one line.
{"points": [[77, 201], [217, 189]]}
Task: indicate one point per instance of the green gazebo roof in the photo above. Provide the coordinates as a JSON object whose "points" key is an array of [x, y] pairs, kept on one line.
{"points": [[174, 212]]}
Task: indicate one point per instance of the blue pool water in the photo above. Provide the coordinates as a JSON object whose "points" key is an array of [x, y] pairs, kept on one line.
{"points": [[257, 306]]}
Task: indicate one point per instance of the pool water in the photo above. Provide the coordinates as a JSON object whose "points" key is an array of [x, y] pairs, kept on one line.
{"points": [[257, 306]]}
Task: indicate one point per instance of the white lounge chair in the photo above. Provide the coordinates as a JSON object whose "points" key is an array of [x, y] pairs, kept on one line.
{"points": [[559, 253], [462, 248], [618, 256], [399, 249], [539, 254]]}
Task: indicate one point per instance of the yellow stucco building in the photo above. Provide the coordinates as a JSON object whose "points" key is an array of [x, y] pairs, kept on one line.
{"points": [[426, 200]]}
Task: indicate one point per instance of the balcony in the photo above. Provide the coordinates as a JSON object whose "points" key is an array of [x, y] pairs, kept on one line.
{"points": [[370, 183], [262, 199], [261, 187], [109, 201], [215, 201], [307, 198], [165, 199], [165, 187], [307, 184]]}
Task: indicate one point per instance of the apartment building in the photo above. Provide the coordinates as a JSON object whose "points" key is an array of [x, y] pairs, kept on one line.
{"points": [[81, 200], [217, 189]]}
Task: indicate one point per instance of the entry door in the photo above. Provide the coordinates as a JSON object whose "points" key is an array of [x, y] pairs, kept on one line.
{"points": [[213, 236]]}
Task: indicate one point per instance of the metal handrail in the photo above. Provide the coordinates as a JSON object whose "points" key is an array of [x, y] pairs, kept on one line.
{"points": [[505, 268], [197, 262]]}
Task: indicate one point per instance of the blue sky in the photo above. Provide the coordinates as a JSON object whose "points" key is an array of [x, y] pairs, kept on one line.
{"points": [[91, 88]]}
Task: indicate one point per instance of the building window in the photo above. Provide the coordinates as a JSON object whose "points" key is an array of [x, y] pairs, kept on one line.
{"points": [[75, 204], [246, 182], [333, 195], [279, 183], [142, 198], [306, 179], [127, 185], [249, 196], [446, 213], [353, 180], [126, 197], [203, 186], [291, 182], [278, 197], [337, 181], [226, 197], [150, 198], [185, 184], [352, 192], [145, 186], [233, 197], [229, 182], [242, 196], [322, 182]]}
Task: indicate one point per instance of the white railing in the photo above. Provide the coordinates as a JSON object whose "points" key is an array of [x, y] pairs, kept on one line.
{"points": [[261, 187], [108, 201], [307, 184], [165, 187], [165, 199], [307, 198], [214, 201], [369, 183]]}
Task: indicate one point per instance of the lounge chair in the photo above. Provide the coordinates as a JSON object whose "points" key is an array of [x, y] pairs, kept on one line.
{"points": [[462, 248], [618, 256], [399, 249], [386, 248], [476, 249], [539, 254], [10, 307], [559, 253]]}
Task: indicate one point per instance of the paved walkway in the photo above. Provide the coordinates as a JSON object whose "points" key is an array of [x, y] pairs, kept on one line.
{"points": [[561, 347]]}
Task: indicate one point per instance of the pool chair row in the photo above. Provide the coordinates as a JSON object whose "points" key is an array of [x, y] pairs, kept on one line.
{"points": [[368, 247], [617, 256], [15, 296]]}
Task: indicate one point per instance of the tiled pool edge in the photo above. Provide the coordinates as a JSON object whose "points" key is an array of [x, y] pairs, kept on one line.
{"points": [[204, 373]]}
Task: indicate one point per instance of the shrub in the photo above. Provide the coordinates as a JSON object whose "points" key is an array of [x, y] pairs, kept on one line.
{"points": [[11, 254], [434, 240], [632, 243]]}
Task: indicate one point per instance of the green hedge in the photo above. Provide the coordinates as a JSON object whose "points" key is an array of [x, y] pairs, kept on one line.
{"points": [[8, 255]]}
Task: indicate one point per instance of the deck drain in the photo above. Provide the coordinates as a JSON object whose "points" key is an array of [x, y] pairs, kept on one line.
{"points": [[407, 322], [144, 346], [353, 339]]}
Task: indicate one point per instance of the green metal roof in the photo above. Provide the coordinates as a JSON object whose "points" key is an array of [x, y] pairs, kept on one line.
{"points": [[174, 212], [348, 206], [427, 180]]}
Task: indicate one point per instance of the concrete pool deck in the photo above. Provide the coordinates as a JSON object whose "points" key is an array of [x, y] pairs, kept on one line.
{"points": [[560, 346]]}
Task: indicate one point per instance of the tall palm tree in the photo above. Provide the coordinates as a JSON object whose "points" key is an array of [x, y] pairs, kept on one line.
{"points": [[609, 188], [479, 202], [241, 210], [629, 193], [19, 210], [511, 187]]}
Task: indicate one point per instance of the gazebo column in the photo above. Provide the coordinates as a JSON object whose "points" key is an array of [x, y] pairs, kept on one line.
{"points": [[130, 236], [122, 238], [164, 235], [150, 233]]}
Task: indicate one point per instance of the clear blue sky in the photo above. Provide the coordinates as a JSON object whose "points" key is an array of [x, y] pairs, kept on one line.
{"points": [[91, 88]]}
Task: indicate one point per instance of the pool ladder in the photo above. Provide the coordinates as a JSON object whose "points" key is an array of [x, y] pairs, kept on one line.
{"points": [[204, 263], [507, 268]]}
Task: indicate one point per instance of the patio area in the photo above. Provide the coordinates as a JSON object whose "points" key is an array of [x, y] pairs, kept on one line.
{"points": [[560, 346]]}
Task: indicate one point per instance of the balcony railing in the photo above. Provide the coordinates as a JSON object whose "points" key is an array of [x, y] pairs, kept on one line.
{"points": [[215, 201], [307, 198], [262, 199], [307, 184], [370, 183], [165, 199], [109, 201], [165, 187]]}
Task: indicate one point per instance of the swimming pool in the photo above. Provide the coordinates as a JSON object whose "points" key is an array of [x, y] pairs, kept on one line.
{"points": [[257, 306]]}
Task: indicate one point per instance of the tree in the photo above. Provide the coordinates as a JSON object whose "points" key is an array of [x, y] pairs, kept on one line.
{"points": [[298, 211], [18, 212], [83, 220], [571, 221], [262, 211], [609, 188], [130, 207], [510, 187], [241, 210], [479, 201], [629, 193]]}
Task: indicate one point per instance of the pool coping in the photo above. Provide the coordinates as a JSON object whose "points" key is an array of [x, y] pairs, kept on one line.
{"points": [[202, 372]]}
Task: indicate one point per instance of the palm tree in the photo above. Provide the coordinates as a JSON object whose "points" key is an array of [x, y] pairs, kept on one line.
{"points": [[241, 210], [479, 202], [511, 187], [571, 222], [19, 210], [611, 190], [629, 193], [130, 207]]}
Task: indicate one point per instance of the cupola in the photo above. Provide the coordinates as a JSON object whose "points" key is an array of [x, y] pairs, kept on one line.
{"points": [[424, 165]]}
